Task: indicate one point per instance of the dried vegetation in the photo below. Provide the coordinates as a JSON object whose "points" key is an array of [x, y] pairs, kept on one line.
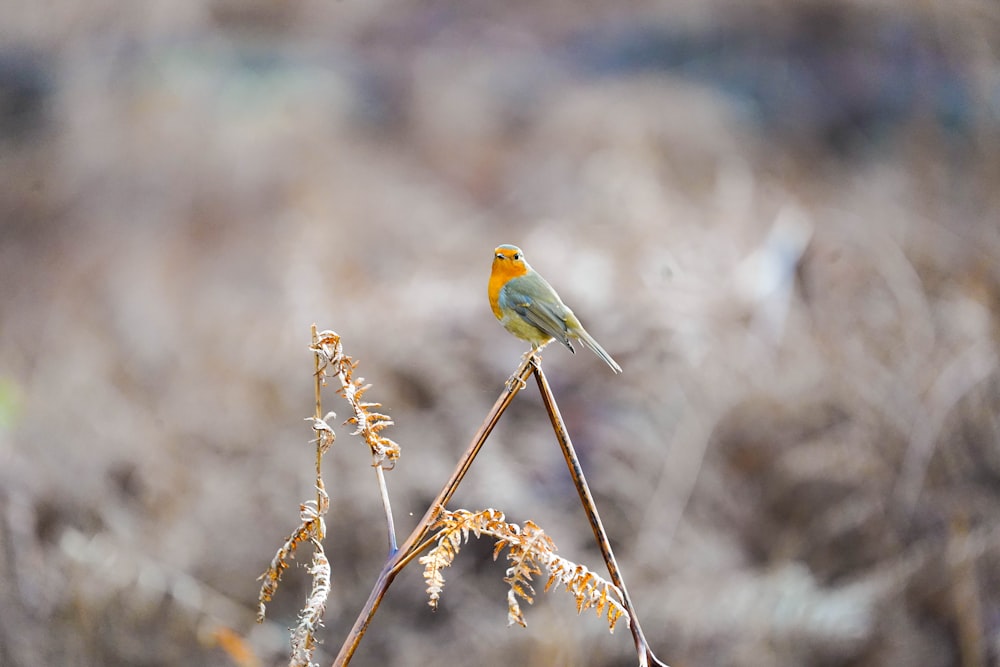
{"points": [[783, 225]]}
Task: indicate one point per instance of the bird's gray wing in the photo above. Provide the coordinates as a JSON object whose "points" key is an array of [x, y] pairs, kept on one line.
{"points": [[549, 317]]}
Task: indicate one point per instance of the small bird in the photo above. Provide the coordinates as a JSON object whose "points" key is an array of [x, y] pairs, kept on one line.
{"points": [[529, 308]]}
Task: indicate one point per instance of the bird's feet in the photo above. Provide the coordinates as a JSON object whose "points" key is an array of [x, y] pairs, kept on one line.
{"points": [[535, 359], [531, 356]]}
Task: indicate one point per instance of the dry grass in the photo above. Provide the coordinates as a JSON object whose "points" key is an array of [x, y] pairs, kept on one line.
{"points": [[529, 550], [798, 466]]}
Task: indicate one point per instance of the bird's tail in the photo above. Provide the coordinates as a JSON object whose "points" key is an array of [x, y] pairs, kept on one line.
{"points": [[596, 348]]}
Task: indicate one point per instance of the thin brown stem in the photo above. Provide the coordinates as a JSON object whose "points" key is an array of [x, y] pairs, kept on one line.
{"points": [[318, 415], [642, 648], [416, 541]]}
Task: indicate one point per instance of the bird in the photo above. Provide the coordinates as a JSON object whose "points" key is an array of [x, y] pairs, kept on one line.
{"points": [[529, 308]]}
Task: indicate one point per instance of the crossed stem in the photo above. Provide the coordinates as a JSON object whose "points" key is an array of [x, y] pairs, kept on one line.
{"points": [[418, 540]]}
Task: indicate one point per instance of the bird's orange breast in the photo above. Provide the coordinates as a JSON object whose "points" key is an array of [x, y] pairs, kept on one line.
{"points": [[503, 271]]}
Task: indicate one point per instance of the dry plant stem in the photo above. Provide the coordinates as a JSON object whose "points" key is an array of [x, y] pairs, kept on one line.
{"points": [[318, 384], [642, 648], [387, 506], [352, 393], [417, 541]]}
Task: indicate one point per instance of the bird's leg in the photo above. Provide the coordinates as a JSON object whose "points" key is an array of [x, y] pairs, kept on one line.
{"points": [[534, 351], [533, 354]]}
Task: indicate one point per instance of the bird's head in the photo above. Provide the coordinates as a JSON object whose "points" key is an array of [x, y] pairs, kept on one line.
{"points": [[508, 261]]}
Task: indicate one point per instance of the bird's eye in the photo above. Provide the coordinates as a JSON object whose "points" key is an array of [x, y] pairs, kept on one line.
{"points": [[517, 255]]}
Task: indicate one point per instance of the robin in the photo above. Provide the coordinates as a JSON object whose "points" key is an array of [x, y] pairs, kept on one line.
{"points": [[529, 308]]}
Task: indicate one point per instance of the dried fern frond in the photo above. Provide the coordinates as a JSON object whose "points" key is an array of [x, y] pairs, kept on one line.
{"points": [[324, 432], [589, 589], [312, 528], [311, 616], [530, 552], [385, 452]]}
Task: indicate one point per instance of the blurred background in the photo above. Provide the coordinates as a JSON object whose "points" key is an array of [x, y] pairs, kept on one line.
{"points": [[782, 217]]}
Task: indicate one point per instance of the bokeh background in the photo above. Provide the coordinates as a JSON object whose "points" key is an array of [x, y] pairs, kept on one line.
{"points": [[782, 217]]}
